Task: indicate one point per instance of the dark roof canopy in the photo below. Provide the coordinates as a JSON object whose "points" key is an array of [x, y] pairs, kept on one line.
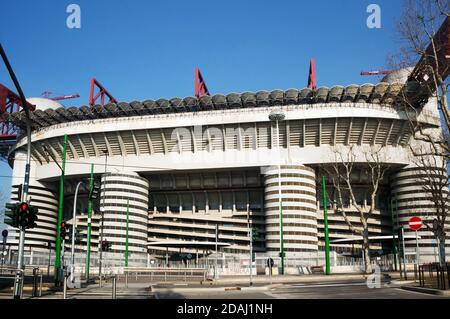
{"points": [[381, 93]]}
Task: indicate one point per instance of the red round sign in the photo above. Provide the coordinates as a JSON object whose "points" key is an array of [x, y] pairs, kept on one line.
{"points": [[415, 223]]}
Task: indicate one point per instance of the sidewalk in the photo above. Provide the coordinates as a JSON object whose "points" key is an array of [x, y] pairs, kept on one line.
{"points": [[291, 278]]}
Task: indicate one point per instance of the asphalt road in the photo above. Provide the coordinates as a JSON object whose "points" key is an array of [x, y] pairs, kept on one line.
{"points": [[319, 290], [349, 289], [345, 290]]}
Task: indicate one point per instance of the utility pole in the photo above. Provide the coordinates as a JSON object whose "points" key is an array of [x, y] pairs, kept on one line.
{"points": [[404, 253], [20, 264], [102, 214], [49, 246], [394, 246], [72, 259], [126, 236], [325, 221], [88, 255], [279, 117], [216, 274], [250, 232], [60, 215], [417, 251]]}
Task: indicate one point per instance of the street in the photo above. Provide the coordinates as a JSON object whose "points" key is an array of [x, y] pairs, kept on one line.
{"points": [[318, 290], [289, 287]]}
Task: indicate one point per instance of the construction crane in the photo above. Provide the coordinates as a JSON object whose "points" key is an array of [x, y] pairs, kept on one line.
{"points": [[47, 94], [377, 72]]}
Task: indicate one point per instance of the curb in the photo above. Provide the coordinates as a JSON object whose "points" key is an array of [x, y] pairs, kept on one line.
{"points": [[430, 291], [286, 281], [401, 282], [210, 289]]}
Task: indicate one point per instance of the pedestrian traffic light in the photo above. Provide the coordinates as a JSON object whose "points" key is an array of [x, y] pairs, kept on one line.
{"points": [[11, 215], [63, 230], [32, 216], [93, 193]]}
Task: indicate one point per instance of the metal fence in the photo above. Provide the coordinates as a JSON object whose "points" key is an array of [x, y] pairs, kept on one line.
{"points": [[434, 275], [227, 264], [164, 274]]}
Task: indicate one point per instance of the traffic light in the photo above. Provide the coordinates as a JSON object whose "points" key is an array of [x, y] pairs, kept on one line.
{"points": [[78, 234], [255, 234], [78, 237], [63, 230], [93, 193], [24, 210], [106, 246], [11, 216], [32, 216]]}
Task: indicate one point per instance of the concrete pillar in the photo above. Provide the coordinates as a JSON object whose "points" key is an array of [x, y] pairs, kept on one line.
{"points": [[298, 194], [119, 188]]}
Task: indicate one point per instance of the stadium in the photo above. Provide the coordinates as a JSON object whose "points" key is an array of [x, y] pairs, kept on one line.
{"points": [[184, 169]]}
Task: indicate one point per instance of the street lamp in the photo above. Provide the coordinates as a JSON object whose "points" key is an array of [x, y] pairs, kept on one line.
{"points": [[20, 265], [102, 213], [279, 116], [72, 268]]}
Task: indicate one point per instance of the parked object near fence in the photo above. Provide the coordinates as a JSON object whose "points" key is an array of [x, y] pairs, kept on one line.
{"points": [[434, 276]]}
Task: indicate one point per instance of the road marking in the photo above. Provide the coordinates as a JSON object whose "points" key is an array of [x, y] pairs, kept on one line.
{"points": [[418, 293], [328, 285]]}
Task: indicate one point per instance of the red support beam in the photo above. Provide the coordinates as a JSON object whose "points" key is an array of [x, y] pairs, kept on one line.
{"points": [[200, 85], [312, 82], [9, 103], [101, 93]]}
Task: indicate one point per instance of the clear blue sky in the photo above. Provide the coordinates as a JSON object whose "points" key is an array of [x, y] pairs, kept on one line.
{"points": [[149, 49]]}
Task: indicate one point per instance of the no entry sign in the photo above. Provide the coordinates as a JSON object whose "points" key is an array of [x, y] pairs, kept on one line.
{"points": [[415, 223]]}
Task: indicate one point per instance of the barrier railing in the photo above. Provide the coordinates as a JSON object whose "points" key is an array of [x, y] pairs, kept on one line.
{"points": [[36, 279], [434, 276], [166, 274]]}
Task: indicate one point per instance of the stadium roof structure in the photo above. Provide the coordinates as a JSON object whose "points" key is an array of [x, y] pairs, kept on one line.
{"points": [[381, 93]]}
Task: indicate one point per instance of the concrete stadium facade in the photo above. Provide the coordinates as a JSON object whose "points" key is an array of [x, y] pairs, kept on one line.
{"points": [[183, 166]]}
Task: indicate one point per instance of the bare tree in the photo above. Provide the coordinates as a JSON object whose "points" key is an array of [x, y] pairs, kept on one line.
{"points": [[434, 180], [340, 171], [425, 33]]}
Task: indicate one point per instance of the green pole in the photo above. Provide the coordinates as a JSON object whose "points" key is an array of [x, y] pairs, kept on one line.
{"points": [[325, 221], [60, 214], [126, 236], [281, 237], [88, 256]]}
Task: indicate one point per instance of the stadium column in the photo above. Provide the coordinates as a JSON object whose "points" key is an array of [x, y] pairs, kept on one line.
{"points": [[412, 200], [125, 193], [299, 210], [43, 196]]}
